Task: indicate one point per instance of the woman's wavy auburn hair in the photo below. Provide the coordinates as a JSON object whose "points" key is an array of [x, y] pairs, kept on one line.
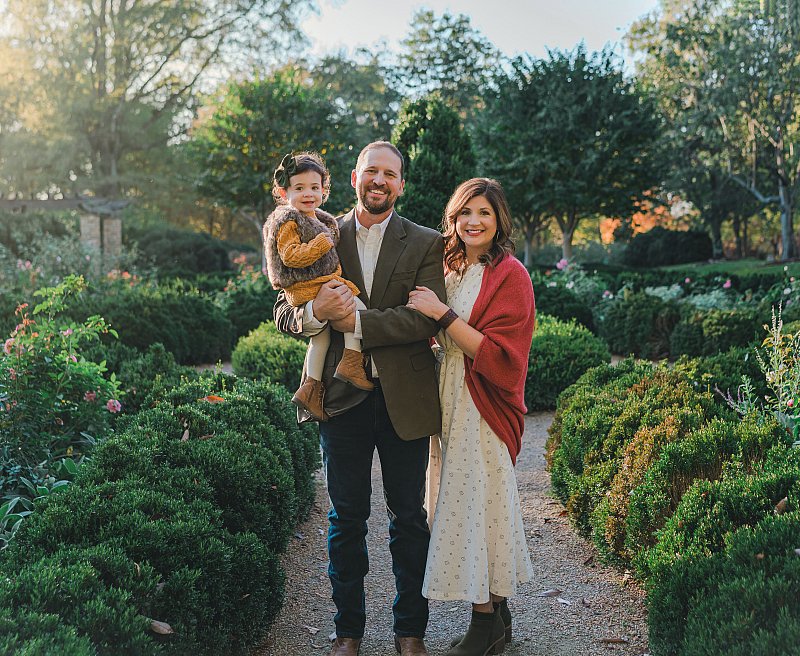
{"points": [[455, 253]]}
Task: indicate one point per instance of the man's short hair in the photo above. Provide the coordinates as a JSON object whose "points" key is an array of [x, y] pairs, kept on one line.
{"points": [[382, 144]]}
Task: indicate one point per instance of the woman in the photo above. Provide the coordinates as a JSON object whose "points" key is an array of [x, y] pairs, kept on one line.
{"points": [[478, 550]]}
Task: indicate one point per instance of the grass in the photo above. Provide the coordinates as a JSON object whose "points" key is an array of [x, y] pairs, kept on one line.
{"points": [[744, 266]]}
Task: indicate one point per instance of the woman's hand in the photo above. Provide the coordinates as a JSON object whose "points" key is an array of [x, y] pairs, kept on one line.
{"points": [[426, 302]]}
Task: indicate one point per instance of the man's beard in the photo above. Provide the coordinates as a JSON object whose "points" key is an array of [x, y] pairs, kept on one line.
{"points": [[376, 208]]}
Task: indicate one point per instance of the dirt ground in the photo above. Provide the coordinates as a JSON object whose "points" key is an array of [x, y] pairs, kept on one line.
{"points": [[590, 609]]}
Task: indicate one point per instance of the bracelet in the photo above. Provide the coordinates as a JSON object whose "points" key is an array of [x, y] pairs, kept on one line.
{"points": [[447, 318]]}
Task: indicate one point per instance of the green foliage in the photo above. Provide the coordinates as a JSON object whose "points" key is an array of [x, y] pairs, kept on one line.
{"points": [[724, 535], [189, 324], [557, 301], [723, 372], [25, 633], [268, 354], [178, 518], [661, 247], [714, 331], [578, 133], [178, 252], [55, 403], [561, 352], [247, 301], [438, 155], [447, 55], [146, 377], [640, 324], [256, 124]]}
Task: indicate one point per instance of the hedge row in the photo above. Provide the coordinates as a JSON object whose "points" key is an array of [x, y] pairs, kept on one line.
{"points": [[703, 506], [167, 542]]}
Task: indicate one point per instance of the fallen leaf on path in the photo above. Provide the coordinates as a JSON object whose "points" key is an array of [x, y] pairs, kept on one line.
{"points": [[563, 513], [313, 630], [564, 602], [550, 593], [586, 602], [162, 628], [614, 641], [332, 636], [589, 560]]}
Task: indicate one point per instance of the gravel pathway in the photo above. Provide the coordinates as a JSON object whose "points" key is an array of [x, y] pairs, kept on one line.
{"points": [[596, 611]]}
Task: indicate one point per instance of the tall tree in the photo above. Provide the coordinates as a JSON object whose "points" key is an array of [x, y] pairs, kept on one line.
{"points": [[678, 68], [448, 55], [123, 73], [439, 156], [760, 102], [581, 135], [238, 146]]}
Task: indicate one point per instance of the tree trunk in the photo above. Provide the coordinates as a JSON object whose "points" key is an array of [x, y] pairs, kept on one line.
{"points": [[530, 232], [566, 244], [788, 246], [717, 251], [745, 237], [736, 222]]}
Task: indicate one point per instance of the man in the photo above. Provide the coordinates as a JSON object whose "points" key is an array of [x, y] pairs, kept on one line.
{"points": [[386, 256]]}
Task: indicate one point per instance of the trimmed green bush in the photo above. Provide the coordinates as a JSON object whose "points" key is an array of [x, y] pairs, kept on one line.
{"points": [[268, 354], [248, 306], [189, 324], [708, 544], [561, 352], [25, 633], [622, 423], [701, 455], [714, 331], [147, 376], [179, 252], [562, 303], [178, 518], [723, 372], [639, 324]]}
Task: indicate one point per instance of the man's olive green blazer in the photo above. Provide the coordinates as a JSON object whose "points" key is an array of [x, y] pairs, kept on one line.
{"points": [[395, 336]]}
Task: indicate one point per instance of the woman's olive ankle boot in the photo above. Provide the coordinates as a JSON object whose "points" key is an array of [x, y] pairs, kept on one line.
{"points": [[485, 636], [505, 615]]}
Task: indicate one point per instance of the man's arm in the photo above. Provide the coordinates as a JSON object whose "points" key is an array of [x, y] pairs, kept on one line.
{"points": [[401, 324], [334, 301]]}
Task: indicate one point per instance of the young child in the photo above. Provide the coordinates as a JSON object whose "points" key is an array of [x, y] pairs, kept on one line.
{"points": [[300, 242]]}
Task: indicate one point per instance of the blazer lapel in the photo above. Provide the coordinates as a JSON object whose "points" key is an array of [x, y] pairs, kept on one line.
{"points": [[392, 247], [348, 254]]}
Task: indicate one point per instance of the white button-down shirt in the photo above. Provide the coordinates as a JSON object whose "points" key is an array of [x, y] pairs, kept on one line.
{"points": [[368, 243]]}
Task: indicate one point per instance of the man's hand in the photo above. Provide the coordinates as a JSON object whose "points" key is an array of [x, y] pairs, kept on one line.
{"points": [[334, 302], [346, 325]]}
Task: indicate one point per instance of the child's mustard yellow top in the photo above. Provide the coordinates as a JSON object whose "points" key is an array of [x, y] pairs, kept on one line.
{"points": [[294, 253]]}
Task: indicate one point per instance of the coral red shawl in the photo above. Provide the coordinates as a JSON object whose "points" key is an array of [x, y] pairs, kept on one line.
{"points": [[505, 313]]}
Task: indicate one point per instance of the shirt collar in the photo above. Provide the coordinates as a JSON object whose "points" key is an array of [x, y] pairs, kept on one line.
{"points": [[382, 225]]}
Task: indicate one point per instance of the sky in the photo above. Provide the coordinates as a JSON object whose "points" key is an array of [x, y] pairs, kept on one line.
{"points": [[514, 26]]}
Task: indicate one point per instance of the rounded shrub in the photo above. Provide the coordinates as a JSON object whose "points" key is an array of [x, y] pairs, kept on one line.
{"points": [[714, 331], [179, 252], [189, 324], [724, 372], [695, 550], [562, 303], [270, 355], [639, 324], [248, 306], [561, 352]]}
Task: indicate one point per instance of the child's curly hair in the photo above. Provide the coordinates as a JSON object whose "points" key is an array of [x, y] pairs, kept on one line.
{"points": [[300, 163]]}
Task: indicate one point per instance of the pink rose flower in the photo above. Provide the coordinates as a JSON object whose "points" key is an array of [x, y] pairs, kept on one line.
{"points": [[67, 332], [790, 403], [113, 406], [90, 396], [7, 345], [687, 280], [562, 264], [727, 284]]}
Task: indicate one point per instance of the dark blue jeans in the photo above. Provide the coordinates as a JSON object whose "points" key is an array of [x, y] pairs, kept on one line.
{"points": [[348, 442]]}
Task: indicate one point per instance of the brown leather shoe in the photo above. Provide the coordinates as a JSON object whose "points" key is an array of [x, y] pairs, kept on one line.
{"points": [[345, 647], [310, 395], [351, 370], [410, 646]]}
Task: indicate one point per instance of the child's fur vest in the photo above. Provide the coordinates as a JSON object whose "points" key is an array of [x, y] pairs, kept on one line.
{"points": [[282, 276]]}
